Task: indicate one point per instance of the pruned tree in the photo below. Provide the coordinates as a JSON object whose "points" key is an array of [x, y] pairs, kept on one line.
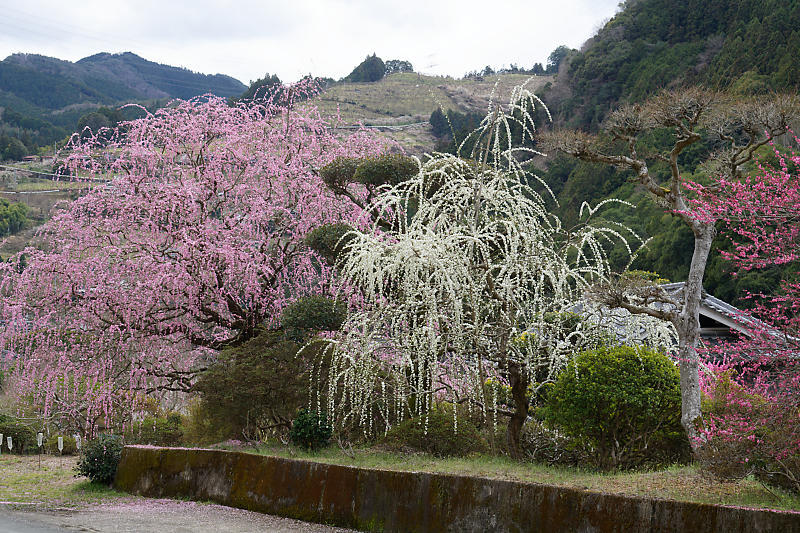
{"points": [[737, 127], [461, 279]]}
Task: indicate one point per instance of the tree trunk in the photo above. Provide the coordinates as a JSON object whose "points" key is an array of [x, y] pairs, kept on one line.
{"points": [[687, 325], [519, 385]]}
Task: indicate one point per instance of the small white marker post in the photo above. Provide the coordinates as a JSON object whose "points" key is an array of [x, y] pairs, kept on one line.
{"points": [[1, 444], [60, 449], [10, 444], [39, 437], [77, 442]]}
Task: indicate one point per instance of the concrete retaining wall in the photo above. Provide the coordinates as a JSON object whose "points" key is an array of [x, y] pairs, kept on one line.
{"points": [[378, 500]]}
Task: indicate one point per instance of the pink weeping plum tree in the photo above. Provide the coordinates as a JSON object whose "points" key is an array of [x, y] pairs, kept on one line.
{"points": [[190, 240]]}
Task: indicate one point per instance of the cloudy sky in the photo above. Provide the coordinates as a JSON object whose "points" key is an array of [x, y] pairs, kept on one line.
{"points": [[247, 38]]}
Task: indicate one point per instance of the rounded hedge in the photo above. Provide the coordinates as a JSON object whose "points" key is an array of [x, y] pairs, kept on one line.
{"points": [[329, 240], [100, 458], [624, 402], [339, 172], [70, 447], [23, 437], [387, 169], [310, 430], [314, 313]]}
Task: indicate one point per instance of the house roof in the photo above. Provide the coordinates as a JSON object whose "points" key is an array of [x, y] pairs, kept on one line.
{"points": [[719, 311]]}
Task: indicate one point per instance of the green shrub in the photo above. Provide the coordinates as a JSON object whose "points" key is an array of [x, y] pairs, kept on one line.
{"points": [[100, 458], [388, 169], [157, 431], [313, 313], [541, 444], [205, 424], [22, 436], [70, 447], [339, 172], [624, 403], [253, 391], [442, 438], [329, 241], [310, 430]]}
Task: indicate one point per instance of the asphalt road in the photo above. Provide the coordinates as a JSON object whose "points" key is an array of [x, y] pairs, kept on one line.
{"points": [[18, 523], [154, 516]]}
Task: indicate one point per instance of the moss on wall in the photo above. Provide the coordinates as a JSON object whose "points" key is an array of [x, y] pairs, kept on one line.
{"points": [[377, 500]]}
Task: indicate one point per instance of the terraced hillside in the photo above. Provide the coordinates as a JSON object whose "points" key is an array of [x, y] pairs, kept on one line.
{"points": [[402, 103]]}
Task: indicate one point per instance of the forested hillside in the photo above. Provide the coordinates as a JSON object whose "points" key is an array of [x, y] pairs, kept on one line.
{"points": [[740, 46], [43, 98], [746, 46]]}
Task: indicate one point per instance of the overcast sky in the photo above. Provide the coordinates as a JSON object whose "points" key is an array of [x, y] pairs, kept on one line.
{"points": [[247, 38]]}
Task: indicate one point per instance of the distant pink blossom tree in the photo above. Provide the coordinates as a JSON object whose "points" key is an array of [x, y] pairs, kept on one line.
{"points": [[194, 241], [760, 416]]}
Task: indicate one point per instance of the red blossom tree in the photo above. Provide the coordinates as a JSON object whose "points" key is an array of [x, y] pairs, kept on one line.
{"points": [[193, 242], [737, 127], [756, 407]]}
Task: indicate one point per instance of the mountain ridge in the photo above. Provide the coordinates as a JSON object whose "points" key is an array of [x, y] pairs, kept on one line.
{"points": [[109, 78]]}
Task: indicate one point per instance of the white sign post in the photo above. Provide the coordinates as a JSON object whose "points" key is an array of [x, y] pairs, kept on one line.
{"points": [[39, 437], [60, 449], [10, 444]]}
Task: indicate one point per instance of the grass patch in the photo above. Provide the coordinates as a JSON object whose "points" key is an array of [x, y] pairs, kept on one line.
{"points": [[48, 185], [681, 483], [53, 485]]}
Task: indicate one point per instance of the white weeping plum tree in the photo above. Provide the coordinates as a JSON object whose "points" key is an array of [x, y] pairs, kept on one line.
{"points": [[464, 277]]}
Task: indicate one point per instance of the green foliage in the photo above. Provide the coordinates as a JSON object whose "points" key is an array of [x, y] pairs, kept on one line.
{"points": [[253, 390], [310, 430], [439, 123], [541, 444], [339, 172], [371, 69], [329, 240], [156, 431], [387, 169], [204, 424], [436, 433], [13, 217], [398, 65], [12, 149], [44, 97], [313, 313], [622, 401], [454, 123], [262, 88], [556, 57], [100, 458], [747, 45], [91, 123], [70, 446], [22, 436]]}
